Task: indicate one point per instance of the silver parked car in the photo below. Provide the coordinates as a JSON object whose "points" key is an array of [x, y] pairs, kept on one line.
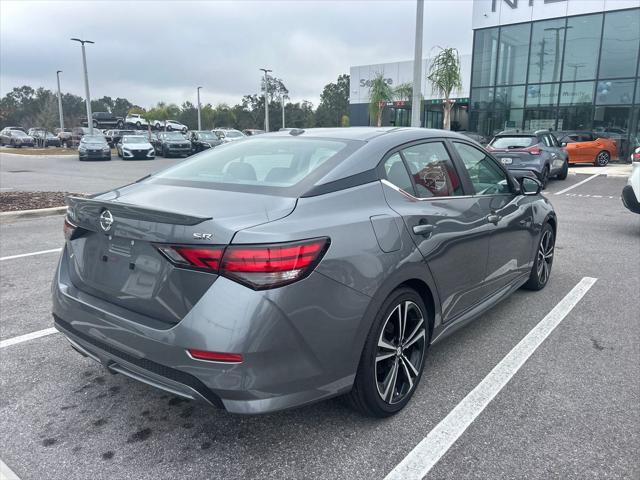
{"points": [[538, 152], [301, 265]]}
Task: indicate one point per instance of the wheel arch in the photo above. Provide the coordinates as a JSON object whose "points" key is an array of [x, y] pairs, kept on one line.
{"points": [[418, 278]]}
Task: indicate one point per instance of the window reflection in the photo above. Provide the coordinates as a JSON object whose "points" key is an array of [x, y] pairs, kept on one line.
{"points": [[581, 49], [512, 57], [620, 43], [484, 57], [547, 39]]}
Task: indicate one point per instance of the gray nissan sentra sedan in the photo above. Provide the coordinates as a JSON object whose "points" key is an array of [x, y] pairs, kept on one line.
{"points": [[291, 267]]}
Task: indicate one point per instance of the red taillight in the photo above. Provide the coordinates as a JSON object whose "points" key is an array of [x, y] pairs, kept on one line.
{"points": [[68, 228], [215, 356], [533, 150], [257, 266], [207, 258], [635, 157]]}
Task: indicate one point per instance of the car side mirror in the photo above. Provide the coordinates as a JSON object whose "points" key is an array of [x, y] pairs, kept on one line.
{"points": [[530, 186]]}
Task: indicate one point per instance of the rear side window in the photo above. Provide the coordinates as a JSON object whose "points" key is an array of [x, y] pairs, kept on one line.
{"points": [[269, 162], [397, 173], [514, 142], [432, 170]]}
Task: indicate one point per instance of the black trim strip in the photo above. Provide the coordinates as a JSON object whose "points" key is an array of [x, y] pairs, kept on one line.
{"points": [[153, 367], [361, 178]]}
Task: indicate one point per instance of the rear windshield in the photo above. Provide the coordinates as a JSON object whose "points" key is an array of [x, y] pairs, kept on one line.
{"points": [[513, 142], [269, 162], [172, 135]]}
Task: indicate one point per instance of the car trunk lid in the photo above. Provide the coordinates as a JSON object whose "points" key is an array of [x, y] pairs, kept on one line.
{"points": [[114, 254]]}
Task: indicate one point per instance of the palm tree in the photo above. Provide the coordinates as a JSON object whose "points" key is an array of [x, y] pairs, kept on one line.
{"points": [[444, 75], [379, 93], [403, 92]]}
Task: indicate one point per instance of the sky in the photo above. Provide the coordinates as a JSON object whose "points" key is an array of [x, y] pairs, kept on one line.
{"points": [[154, 50]]}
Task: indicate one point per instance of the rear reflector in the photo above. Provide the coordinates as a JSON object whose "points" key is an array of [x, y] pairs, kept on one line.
{"points": [[256, 266], [215, 356]]}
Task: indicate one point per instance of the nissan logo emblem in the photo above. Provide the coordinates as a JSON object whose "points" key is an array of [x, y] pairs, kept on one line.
{"points": [[106, 220]]}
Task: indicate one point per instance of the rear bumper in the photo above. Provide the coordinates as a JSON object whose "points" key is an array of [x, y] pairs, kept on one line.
{"points": [[295, 350], [145, 371], [629, 199]]}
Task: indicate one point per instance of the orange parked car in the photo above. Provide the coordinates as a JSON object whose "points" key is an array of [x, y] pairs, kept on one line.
{"points": [[588, 147]]}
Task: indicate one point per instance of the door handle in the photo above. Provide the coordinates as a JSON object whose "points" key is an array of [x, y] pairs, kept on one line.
{"points": [[423, 229], [493, 218]]}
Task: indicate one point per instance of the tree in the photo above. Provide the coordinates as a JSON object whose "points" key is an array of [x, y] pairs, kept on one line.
{"points": [[444, 75], [403, 92], [334, 103], [121, 107], [379, 93]]}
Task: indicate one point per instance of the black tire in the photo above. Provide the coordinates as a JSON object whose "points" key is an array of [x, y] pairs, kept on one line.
{"points": [[169, 128], [165, 154], [602, 159], [384, 354], [564, 172], [544, 177], [541, 270], [95, 124]]}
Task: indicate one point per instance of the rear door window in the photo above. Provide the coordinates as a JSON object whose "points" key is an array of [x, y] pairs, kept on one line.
{"points": [[432, 170]]}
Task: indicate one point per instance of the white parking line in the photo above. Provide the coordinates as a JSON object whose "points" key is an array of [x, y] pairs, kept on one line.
{"points": [[6, 473], [25, 338], [41, 252], [577, 184], [429, 451]]}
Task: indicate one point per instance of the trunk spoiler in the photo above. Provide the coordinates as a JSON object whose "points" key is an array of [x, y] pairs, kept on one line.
{"points": [[88, 208]]}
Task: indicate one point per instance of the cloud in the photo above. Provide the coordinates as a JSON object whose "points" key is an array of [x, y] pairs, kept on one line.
{"points": [[150, 51]]}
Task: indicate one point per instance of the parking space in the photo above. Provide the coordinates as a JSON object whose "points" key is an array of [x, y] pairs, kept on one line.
{"points": [[571, 411], [66, 173]]}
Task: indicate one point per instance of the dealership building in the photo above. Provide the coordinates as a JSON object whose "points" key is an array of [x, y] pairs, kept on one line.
{"points": [[398, 112], [536, 64], [556, 64]]}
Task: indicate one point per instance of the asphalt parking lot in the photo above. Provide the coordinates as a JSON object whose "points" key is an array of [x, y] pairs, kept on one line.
{"points": [[571, 411]]}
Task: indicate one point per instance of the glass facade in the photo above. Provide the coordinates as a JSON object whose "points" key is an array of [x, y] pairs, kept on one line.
{"points": [[567, 73]]}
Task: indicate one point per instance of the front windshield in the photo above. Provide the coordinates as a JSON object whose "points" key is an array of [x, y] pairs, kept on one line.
{"points": [[275, 162], [18, 133], [134, 139], [94, 139], [173, 136], [233, 134], [206, 136]]}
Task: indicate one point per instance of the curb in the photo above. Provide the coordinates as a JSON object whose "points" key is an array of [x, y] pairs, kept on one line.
{"points": [[38, 212]]}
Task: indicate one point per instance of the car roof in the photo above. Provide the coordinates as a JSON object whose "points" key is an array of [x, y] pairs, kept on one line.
{"points": [[366, 134]]}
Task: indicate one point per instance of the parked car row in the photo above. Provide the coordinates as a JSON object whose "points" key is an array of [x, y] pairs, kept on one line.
{"points": [[15, 137]]}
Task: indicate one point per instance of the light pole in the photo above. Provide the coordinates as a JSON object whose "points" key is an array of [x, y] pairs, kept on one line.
{"points": [[199, 114], [282, 97], [60, 101], [266, 101], [86, 84], [417, 66]]}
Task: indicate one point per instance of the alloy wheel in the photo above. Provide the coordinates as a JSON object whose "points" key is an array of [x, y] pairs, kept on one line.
{"points": [[400, 352], [602, 159], [545, 256]]}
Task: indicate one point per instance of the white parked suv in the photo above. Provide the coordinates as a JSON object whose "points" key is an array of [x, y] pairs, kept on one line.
{"points": [[631, 191], [170, 125], [135, 120], [228, 134]]}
